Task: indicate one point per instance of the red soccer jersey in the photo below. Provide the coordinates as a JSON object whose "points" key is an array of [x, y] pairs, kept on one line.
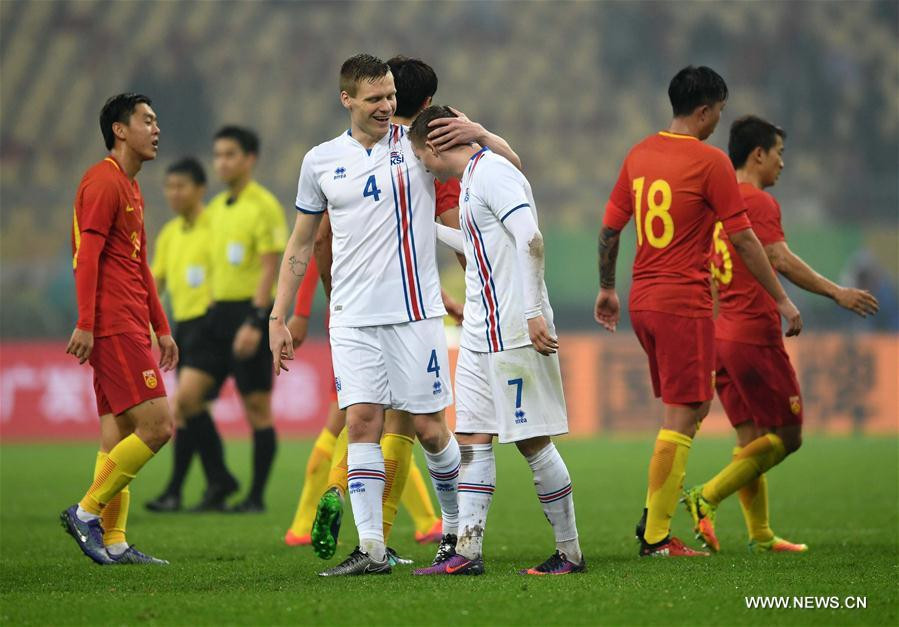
{"points": [[109, 206], [447, 195], [676, 187], [746, 312]]}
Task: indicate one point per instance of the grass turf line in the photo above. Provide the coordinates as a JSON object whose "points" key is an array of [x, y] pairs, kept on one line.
{"points": [[837, 494]]}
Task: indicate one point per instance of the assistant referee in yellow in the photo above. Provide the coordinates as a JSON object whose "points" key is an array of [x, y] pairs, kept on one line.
{"points": [[248, 235]]}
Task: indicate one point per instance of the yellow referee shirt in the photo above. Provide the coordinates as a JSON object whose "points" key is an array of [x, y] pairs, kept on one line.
{"points": [[251, 225], [181, 258]]}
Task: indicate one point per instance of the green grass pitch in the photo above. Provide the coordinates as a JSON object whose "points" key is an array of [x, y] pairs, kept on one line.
{"points": [[837, 494]]}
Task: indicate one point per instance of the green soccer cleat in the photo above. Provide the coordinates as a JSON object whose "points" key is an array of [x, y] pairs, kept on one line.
{"points": [[326, 526], [703, 514], [777, 545]]}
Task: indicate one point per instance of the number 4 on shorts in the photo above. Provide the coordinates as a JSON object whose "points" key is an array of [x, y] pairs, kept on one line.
{"points": [[433, 364]]}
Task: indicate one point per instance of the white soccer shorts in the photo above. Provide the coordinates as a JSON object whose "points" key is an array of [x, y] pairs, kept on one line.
{"points": [[514, 394], [403, 366]]}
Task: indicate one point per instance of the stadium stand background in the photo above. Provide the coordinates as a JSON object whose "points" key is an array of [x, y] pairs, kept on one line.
{"points": [[571, 85]]}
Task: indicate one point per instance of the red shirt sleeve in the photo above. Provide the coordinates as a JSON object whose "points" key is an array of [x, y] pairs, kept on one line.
{"points": [[723, 194], [100, 200], [620, 207], [447, 195], [87, 267], [765, 215], [306, 295]]}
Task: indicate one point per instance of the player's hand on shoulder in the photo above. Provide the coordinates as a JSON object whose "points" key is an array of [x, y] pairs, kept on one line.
{"points": [[280, 343], [448, 132], [859, 301], [298, 326], [168, 352], [790, 313], [246, 341], [541, 338], [607, 310], [80, 345]]}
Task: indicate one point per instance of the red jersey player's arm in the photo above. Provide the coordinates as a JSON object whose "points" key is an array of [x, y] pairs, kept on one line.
{"points": [[803, 275], [87, 269], [321, 250]]}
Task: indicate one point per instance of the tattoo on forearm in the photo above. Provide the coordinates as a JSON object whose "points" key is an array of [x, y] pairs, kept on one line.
{"points": [[609, 239], [297, 267]]}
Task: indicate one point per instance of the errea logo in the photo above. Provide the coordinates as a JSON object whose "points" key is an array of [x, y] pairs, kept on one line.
{"points": [[340, 173]]}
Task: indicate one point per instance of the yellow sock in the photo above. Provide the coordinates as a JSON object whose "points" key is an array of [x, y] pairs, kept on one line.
{"points": [[397, 451], [417, 501], [118, 469], [754, 503], [755, 459], [666, 478], [115, 514], [317, 470], [337, 473]]}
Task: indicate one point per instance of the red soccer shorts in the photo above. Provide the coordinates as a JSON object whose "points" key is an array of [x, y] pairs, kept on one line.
{"points": [[681, 355], [125, 372], [757, 383]]}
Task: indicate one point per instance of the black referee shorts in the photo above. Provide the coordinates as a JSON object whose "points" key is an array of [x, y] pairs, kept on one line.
{"points": [[211, 349]]}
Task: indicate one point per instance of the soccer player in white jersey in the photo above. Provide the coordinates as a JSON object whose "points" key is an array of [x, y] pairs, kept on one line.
{"points": [[508, 382], [387, 340]]}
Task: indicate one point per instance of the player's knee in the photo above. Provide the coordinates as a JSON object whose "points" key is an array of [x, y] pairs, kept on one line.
{"points": [[433, 435], [532, 446], [188, 403]]}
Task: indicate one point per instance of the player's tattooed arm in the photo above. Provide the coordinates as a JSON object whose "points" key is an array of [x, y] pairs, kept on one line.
{"points": [[609, 240], [297, 267]]}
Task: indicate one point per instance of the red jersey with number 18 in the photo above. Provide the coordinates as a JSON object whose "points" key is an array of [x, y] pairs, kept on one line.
{"points": [[676, 187]]}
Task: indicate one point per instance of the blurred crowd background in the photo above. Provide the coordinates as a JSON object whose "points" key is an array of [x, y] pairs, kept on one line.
{"points": [[571, 85]]}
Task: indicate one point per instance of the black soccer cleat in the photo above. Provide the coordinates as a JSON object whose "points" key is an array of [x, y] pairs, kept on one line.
{"points": [[358, 563]]}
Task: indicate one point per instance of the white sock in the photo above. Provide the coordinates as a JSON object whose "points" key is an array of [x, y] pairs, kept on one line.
{"points": [[84, 515], [365, 482], [554, 492], [444, 470], [477, 481], [117, 548]]}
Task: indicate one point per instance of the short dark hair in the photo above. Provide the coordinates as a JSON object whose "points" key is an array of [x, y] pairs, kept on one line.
{"points": [[694, 87], [118, 109], [748, 133], [415, 82], [419, 130], [191, 167], [245, 138], [361, 67]]}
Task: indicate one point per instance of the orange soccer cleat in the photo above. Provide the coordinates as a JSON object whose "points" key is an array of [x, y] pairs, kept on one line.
{"points": [[671, 547], [292, 539], [433, 535], [777, 545]]}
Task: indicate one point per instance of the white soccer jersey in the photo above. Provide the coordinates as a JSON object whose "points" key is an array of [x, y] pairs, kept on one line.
{"points": [[381, 204], [492, 189]]}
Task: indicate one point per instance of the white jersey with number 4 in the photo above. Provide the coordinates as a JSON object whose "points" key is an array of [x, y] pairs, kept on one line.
{"points": [[381, 204], [492, 189]]}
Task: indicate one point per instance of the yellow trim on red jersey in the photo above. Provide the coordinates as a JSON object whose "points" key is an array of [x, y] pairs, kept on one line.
{"points": [[677, 135], [113, 162], [77, 234]]}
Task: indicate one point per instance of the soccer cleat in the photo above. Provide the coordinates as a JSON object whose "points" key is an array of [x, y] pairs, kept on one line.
{"points": [[703, 514], [557, 564], [669, 547], [164, 503], [88, 535], [456, 565], [640, 529], [432, 536], [777, 545], [358, 563], [326, 527], [247, 506], [133, 556], [395, 560], [446, 550], [292, 539], [215, 497]]}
